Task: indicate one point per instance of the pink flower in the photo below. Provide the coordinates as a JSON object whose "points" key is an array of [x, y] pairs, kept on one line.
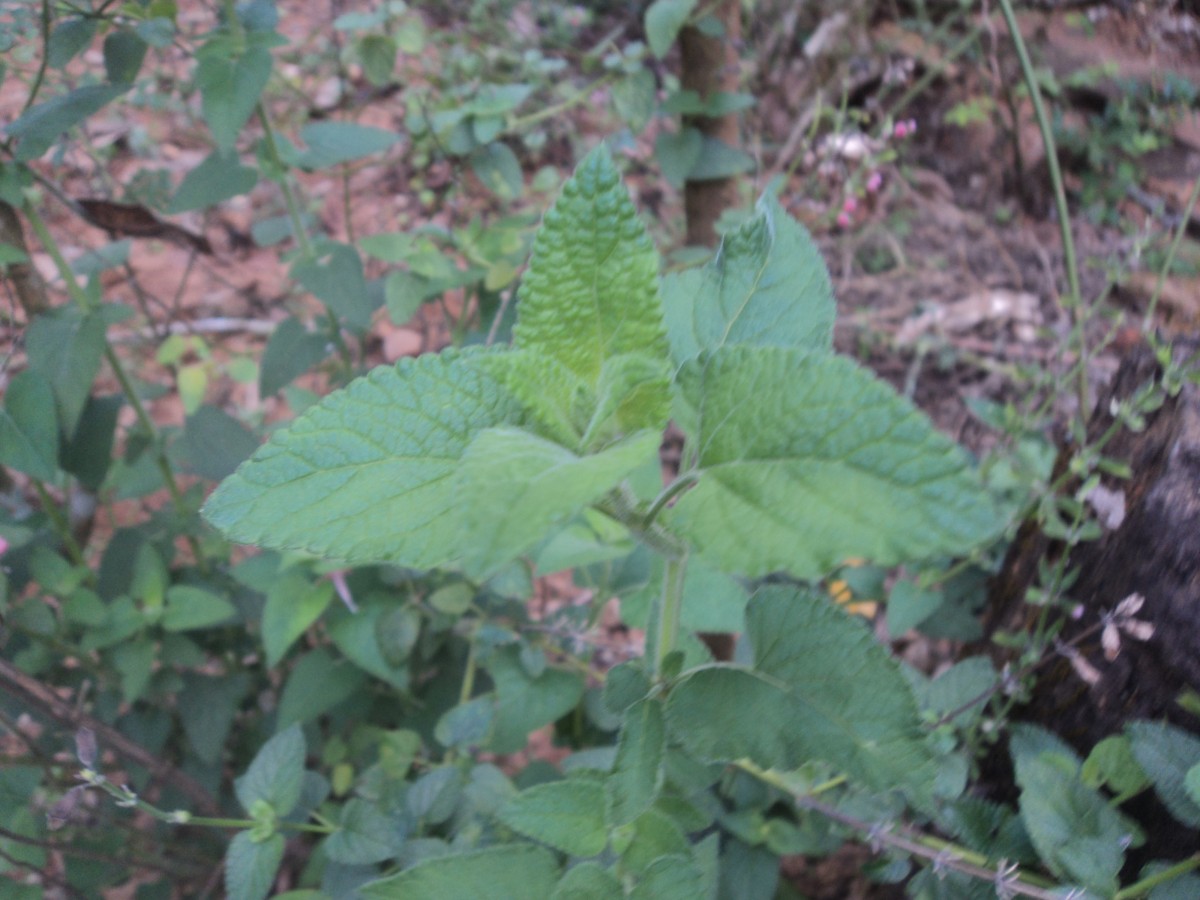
{"points": [[874, 182], [338, 577], [3, 546], [904, 129], [850, 204], [843, 219]]}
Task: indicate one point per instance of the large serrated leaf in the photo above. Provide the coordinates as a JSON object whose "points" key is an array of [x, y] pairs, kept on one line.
{"points": [[638, 769], [367, 475], [1076, 833], [1167, 754], [515, 486], [767, 286], [805, 459], [850, 704], [567, 815], [509, 872], [525, 703], [591, 291]]}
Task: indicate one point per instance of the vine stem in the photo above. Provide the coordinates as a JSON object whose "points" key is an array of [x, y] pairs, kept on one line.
{"points": [[1137, 889], [85, 303], [939, 852], [1074, 292]]}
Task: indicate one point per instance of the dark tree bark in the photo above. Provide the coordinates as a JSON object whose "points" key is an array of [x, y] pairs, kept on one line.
{"points": [[709, 65]]}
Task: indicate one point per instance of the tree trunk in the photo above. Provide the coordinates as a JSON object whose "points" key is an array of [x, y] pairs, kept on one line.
{"points": [[709, 65]]}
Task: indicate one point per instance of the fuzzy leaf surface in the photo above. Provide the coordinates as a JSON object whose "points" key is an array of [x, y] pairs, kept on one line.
{"points": [[806, 459], [567, 815], [368, 474], [516, 486], [591, 291], [1167, 754], [509, 872], [250, 866], [849, 703], [766, 286], [638, 770], [277, 773]]}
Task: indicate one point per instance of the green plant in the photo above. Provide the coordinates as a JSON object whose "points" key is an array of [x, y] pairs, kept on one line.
{"points": [[796, 459]]}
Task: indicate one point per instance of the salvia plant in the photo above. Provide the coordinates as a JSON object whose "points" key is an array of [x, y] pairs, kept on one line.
{"points": [[474, 461]]}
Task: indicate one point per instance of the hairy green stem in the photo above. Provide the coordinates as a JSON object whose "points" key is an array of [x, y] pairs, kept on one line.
{"points": [[940, 853], [1140, 888], [670, 606], [669, 493], [1074, 292]]}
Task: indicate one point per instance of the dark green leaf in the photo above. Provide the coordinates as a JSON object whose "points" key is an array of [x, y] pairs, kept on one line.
{"points": [[250, 866], [291, 351], [294, 602], [1167, 753], [718, 160], [524, 703], [276, 774], [207, 707], [317, 684], [230, 86], [509, 872], [214, 443], [189, 608], [633, 99], [39, 126], [588, 881], [29, 427], [356, 635], [66, 346], [723, 713], [677, 153], [332, 143], [378, 55], [848, 703], [335, 277], [69, 38], [673, 877], [218, 178], [88, 454], [366, 834], [638, 771], [497, 167], [124, 51], [567, 815], [664, 18], [466, 725]]}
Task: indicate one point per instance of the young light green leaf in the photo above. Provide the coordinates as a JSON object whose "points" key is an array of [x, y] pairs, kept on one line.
{"points": [[515, 486], [250, 866], [865, 720], [638, 771], [805, 460], [1167, 754], [591, 291], [367, 475], [567, 815], [277, 773], [189, 608], [508, 872]]}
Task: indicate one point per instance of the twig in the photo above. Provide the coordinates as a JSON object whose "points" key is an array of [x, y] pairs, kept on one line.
{"points": [[31, 691]]}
